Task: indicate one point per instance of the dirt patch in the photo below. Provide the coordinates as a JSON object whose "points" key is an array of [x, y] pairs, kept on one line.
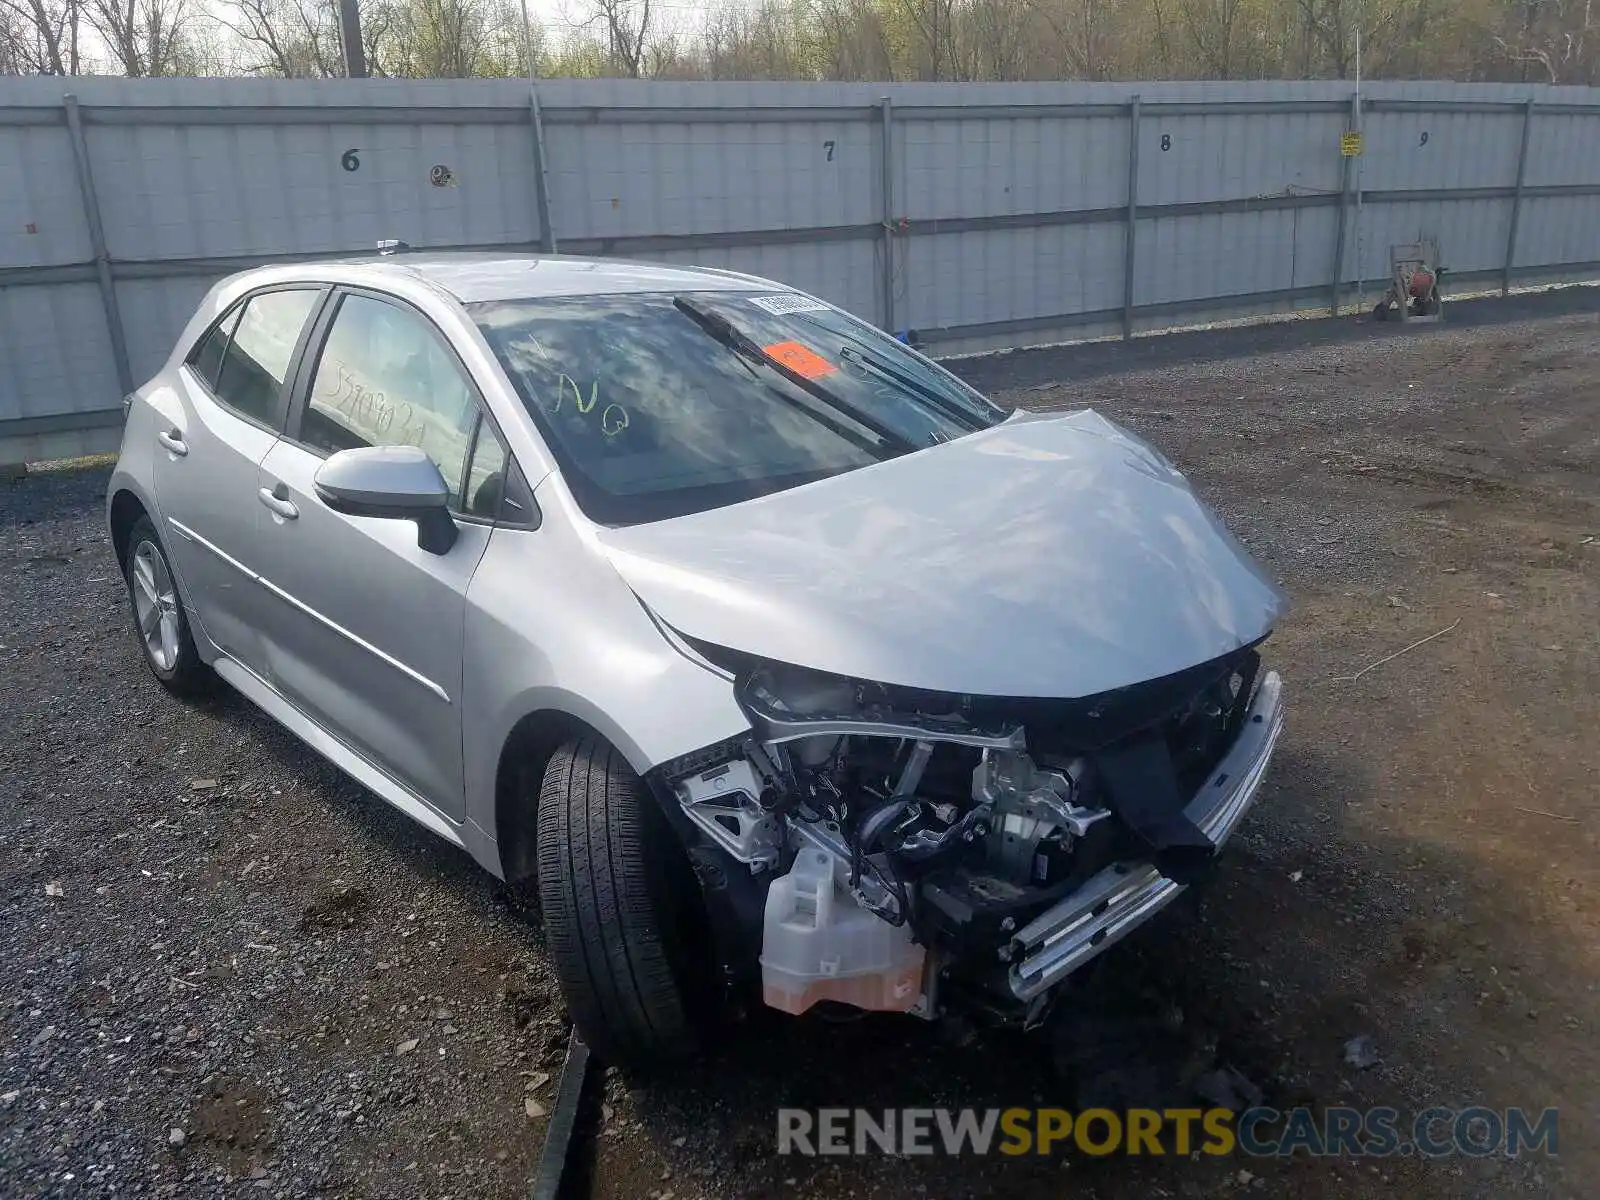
{"points": [[529, 1000], [230, 1124], [337, 907]]}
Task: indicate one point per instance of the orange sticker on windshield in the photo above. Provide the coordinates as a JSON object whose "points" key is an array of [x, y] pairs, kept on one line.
{"points": [[802, 360]]}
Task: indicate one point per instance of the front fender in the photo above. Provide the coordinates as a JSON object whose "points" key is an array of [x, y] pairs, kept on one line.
{"points": [[551, 628]]}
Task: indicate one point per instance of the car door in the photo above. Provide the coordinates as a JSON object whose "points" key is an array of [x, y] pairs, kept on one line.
{"points": [[232, 401], [366, 635]]}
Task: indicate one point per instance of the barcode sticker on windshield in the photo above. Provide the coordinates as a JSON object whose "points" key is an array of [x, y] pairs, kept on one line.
{"points": [[788, 303]]}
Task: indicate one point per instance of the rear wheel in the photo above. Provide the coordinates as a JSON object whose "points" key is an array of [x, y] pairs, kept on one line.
{"points": [[159, 619], [622, 911]]}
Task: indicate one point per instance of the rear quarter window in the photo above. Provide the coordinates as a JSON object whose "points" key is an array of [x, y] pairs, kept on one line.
{"points": [[206, 357]]}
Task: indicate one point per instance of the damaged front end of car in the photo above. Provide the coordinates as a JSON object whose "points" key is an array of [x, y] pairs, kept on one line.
{"points": [[1003, 700], [896, 849]]}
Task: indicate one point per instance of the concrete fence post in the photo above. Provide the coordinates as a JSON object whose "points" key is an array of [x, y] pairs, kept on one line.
{"points": [[1516, 200], [886, 188], [97, 242], [1130, 241], [541, 174]]}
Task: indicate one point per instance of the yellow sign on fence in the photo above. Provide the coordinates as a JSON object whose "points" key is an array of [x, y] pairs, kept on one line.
{"points": [[1352, 144]]}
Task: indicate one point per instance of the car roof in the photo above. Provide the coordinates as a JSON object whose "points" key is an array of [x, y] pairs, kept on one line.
{"points": [[502, 276]]}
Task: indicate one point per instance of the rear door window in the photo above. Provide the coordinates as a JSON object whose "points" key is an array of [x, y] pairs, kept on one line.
{"points": [[257, 358]]}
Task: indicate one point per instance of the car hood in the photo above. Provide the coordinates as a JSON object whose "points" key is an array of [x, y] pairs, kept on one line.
{"points": [[1050, 556]]}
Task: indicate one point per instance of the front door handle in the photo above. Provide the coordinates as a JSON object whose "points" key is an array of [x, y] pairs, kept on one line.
{"points": [[280, 505], [173, 442]]}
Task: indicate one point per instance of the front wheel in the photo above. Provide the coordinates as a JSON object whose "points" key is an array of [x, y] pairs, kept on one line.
{"points": [[623, 915], [159, 619]]}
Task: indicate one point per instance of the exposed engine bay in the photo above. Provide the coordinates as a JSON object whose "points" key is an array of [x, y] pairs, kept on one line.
{"points": [[915, 851]]}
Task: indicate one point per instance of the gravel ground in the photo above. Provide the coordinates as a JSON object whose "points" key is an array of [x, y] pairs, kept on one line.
{"points": [[226, 963], [231, 971]]}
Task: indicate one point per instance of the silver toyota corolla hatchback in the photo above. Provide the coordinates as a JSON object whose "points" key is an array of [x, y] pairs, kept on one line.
{"points": [[785, 663]]}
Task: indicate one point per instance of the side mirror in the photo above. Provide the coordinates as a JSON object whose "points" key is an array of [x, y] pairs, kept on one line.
{"points": [[398, 483]]}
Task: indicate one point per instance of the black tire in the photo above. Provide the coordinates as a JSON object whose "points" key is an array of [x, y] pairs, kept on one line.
{"points": [[175, 662], [623, 916]]}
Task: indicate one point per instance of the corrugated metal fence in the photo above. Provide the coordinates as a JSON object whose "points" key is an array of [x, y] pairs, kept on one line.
{"points": [[978, 215]]}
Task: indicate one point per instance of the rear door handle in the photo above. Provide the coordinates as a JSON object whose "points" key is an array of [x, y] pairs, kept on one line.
{"points": [[281, 505], [173, 442]]}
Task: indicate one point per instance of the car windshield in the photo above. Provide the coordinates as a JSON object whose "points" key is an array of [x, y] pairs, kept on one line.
{"points": [[657, 405]]}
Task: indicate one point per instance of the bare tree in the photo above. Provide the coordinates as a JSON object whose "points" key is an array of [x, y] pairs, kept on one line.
{"points": [[625, 25], [1330, 35], [1559, 36], [1085, 35], [297, 39], [439, 39], [754, 43], [351, 43], [145, 36], [1553, 40], [14, 41], [998, 37], [42, 37], [853, 40], [934, 23], [1212, 27]]}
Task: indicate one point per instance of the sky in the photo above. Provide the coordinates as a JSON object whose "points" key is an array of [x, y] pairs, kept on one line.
{"points": [[556, 16], [673, 14]]}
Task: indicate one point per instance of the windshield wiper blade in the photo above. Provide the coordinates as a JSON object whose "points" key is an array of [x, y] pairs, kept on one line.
{"points": [[719, 327], [730, 335], [874, 365]]}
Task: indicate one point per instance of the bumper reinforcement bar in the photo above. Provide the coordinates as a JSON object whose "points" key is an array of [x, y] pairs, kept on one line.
{"points": [[1117, 900]]}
